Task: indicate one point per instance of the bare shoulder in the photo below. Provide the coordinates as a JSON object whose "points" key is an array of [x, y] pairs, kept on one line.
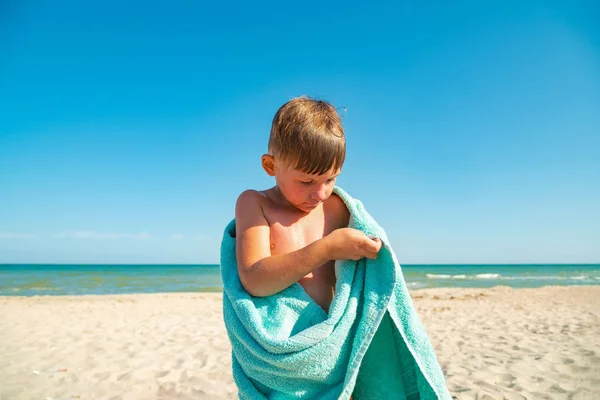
{"points": [[249, 206], [338, 210], [250, 197]]}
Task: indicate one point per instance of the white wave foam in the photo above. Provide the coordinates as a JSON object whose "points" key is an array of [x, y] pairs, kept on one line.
{"points": [[487, 276], [512, 278], [580, 277], [536, 278], [415, 285], [443, 276]]}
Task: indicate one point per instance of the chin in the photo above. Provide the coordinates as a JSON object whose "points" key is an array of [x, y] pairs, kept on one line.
{"points": [[311, 207]]}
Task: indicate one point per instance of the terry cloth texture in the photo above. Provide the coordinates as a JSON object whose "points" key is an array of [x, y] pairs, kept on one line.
{"points": [[371, 344]]}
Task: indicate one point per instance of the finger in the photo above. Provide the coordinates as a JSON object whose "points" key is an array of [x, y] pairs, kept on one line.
{"points": [[372, 245], [370, 254], [379, 243]]}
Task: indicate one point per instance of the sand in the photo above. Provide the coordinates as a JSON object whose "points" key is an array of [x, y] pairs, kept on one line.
{"points": [[498, 343]]}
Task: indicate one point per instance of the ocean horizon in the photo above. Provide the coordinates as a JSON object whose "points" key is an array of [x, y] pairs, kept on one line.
{"points": [[98, 279]]}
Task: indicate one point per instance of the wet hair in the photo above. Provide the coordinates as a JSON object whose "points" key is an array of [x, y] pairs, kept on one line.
{"points": [[308, 135]]}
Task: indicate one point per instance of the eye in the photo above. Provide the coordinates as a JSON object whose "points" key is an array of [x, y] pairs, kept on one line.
{"points": [[305, 183]]}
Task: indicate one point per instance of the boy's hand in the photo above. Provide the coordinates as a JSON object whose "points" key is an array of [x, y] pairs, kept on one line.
{"points": [[351, 244]]}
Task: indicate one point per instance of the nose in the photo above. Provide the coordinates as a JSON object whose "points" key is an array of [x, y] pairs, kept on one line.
{"points": [[320, 194]]}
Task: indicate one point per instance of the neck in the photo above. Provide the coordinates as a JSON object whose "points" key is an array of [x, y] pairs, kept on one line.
{"points": [[280, 198]]}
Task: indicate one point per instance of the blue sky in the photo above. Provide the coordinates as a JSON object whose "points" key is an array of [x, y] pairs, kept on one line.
{"points": [[129, 128]]}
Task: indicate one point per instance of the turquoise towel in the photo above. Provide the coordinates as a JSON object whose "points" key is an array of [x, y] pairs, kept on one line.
{"points": [[371, 344]]}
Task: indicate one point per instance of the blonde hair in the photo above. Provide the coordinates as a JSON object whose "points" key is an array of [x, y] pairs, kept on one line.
{"points": [[308, 134]]}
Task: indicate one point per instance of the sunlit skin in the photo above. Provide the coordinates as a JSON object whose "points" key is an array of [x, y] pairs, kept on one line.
{"points": [[300, 190], [301, 210]]}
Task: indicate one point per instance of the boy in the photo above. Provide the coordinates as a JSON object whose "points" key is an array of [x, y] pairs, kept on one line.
{"points": [[296, 230]]}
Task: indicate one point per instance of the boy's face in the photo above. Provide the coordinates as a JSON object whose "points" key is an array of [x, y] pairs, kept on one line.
{"points": [[303, 191]]}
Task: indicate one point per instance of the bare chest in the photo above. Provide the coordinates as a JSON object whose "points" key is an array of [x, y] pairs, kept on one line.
{"points": [[320, 282], [290, 233]]}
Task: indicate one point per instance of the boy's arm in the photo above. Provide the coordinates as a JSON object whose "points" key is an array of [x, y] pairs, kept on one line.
{"points": [[261, 273]]}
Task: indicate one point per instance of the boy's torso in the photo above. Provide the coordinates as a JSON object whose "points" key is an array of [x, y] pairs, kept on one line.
{"points": [[291, 230]]}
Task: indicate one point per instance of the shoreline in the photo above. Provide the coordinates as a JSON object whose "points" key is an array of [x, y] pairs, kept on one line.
{"points": [[500, 342], [220, 291]]}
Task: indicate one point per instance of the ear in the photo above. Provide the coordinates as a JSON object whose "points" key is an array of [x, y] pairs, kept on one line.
{"points": [[268, 164]]}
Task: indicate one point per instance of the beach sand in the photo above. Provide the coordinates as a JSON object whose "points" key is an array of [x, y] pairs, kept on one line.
{"points": [[498, 343]]}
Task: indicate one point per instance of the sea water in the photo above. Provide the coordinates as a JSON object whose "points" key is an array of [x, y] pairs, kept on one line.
{"points": [[76, 279]]}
